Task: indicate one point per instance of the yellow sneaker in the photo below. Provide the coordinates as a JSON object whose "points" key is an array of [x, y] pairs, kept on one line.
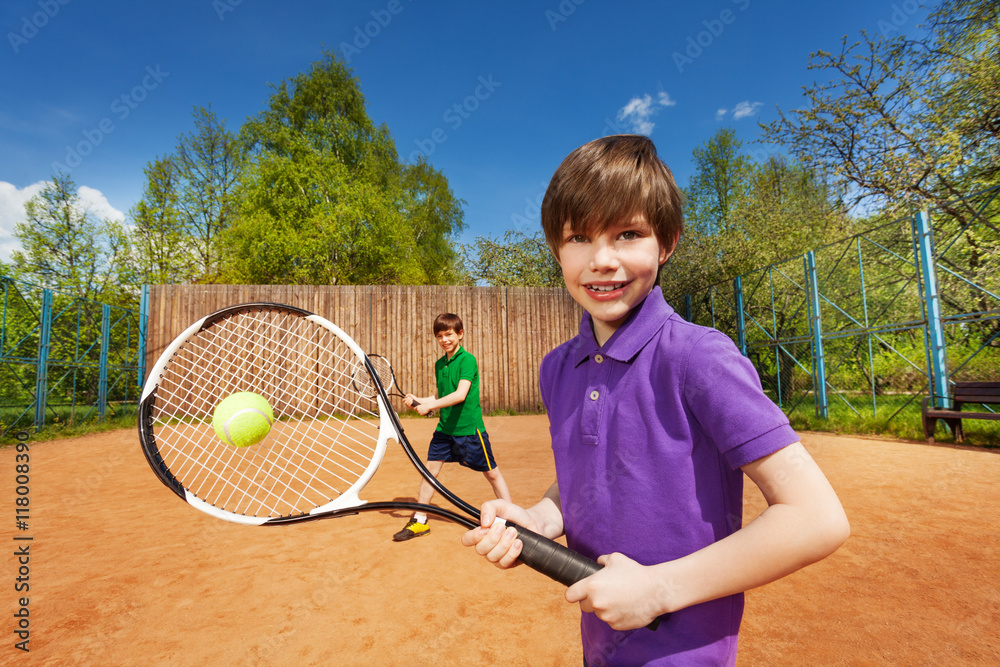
{"points": [[412, 529]]}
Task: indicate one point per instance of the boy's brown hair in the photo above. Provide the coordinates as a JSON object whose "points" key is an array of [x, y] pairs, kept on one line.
{"points": [[446, 321], [607, 181]]}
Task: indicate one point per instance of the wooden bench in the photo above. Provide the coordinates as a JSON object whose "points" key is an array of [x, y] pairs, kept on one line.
{"points": [[987, 393]]}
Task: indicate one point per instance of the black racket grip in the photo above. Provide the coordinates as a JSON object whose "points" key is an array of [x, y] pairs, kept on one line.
{"points": [[414, 404], [556, 561], [553, 559]]}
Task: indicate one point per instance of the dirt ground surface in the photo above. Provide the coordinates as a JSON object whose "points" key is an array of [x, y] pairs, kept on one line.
{"points": [[124, 573]]}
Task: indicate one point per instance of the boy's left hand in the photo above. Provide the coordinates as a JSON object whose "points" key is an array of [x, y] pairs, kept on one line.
{"points": [[624, 594]]}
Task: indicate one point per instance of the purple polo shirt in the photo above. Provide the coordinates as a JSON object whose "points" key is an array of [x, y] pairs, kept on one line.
{"points": [[649, 433]]}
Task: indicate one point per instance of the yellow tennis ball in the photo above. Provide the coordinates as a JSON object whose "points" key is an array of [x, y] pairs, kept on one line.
{"points": [[243, 419]]}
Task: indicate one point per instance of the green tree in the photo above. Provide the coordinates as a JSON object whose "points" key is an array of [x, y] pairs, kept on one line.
{"points": [[741, 215], [914, 122], [437, 219], [515, 260], [81, 257], [162, 251], [67, 248], [323, 111], [907, 122], [719, 184], [297, 228], [188, 202], [207, 167], [713, 238], [325, 199], [789, 210]]}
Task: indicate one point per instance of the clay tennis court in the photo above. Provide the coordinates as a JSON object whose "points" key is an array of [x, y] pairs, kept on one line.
{"points": [[124, 573]]}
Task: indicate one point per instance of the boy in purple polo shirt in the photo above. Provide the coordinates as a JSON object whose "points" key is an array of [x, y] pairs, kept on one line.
{"points": [[654, 421]]}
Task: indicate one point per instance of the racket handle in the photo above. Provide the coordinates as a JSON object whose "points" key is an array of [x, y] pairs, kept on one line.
{"points": [[553, 559], [558, 562], [415, 404]]}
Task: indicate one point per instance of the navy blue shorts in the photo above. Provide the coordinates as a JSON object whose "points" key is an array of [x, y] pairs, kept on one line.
{"points": [[472, 451]]}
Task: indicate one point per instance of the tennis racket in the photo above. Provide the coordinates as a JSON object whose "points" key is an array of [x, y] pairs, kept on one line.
{"points": [[361, 380], [327, 439]]}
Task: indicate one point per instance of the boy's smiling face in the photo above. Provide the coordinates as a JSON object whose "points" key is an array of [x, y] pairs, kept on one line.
{"points": [[449, 340], [611, 272]]}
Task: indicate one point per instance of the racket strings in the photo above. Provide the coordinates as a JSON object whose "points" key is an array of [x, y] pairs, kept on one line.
{"points": [[362, 381], [283, 465], [384, 372], [325, 431]]}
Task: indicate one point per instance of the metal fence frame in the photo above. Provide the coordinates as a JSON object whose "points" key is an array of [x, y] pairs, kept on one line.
{"points": [[728, 307], [48, 346]]}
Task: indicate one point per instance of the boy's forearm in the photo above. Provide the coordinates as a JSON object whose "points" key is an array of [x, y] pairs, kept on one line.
{"points": [[803, 523], [778, 542], [454, 398], [444, 401]]}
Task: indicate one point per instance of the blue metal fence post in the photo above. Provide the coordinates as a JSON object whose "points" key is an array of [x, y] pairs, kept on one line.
{"points": [[741, 328], [816, 329], [143, 322], [102, 382], [42, 363], [8, 285], [937, 366], [774, 343]]}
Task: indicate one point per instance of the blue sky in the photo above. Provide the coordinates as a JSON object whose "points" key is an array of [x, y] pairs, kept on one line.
{"points": [[494, 94]]}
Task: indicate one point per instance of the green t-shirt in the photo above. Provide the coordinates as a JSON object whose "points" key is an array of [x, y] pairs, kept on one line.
{"points": [[466, 417]]}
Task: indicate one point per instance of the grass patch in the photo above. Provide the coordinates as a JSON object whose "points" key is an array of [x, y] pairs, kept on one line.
{"points": [[906, 425], [507, 412], [62, 430]]}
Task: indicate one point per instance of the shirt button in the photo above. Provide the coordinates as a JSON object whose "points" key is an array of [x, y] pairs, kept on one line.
{"points": [[599, 359], [594, 394]]}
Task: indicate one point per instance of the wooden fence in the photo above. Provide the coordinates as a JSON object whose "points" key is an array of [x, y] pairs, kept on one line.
{"points": [[508, 329]]}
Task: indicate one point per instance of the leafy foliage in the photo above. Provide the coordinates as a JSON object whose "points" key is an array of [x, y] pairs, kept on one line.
{"points": [[187, 202], [325, 200], [742, 215], [904, 122], [436, 217], [161, 251], [515, 260], [295, 229], [208, 165], [67, 248], [720, 183]]}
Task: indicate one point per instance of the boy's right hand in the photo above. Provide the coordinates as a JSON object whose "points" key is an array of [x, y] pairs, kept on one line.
{"points": [[408, 400], [495, 541]]}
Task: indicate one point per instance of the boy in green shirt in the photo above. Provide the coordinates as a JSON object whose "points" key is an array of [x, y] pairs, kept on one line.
{"points": [[461, 434]]}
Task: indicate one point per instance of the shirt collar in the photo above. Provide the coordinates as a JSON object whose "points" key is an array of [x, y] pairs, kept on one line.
{"points": [[642, 324], [460, 350]]}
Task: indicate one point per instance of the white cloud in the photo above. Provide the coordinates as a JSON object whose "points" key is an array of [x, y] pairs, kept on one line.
{"points": [[740, 111], [13, 199], [98, 204], [638, 111], [745, 108]]}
